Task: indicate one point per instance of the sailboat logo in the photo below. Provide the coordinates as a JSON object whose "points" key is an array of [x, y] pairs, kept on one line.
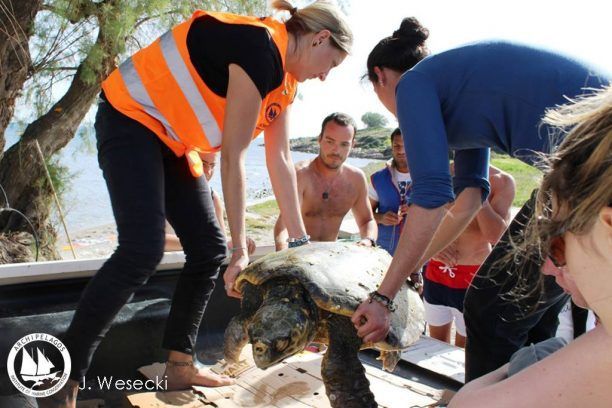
{"points": [[37, 372], [38, 365]]}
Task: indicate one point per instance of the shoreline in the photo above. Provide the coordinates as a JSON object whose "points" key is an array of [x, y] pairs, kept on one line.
{"points": [[101, 240]]}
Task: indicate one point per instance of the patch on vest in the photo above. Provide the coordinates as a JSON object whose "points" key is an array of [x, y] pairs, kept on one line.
{"points": [[272, 111]]}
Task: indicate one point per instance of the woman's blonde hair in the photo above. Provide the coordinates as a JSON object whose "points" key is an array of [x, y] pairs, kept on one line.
{"points": [[317, 16], [577, 179]]}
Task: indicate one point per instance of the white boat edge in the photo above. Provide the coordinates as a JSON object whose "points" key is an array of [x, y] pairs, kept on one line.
{"points": [[28, 272]]}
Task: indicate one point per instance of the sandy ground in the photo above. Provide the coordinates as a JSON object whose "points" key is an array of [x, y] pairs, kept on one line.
{"points": [[101, 241]]}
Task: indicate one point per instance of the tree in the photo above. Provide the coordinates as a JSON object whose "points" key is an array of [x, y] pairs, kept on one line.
{"points": [[373, 120], [16, 28], [77, 45]]}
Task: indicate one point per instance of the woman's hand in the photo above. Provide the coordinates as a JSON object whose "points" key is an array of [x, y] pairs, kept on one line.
{"points": [[238, 262], [372, 321]]}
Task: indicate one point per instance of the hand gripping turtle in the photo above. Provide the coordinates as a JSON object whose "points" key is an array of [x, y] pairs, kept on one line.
{"points": [[304, 294]]}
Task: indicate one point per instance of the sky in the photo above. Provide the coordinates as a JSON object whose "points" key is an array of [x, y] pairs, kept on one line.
{"points": [[580, 29]]}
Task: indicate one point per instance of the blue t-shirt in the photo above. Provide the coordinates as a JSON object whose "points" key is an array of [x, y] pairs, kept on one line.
{"points": [[478, 97]]}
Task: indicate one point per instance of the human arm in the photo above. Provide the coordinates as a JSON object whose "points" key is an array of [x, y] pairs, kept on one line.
{"points": [[280, 234], [362, 211], [241, 112], [471, 185], [425, 142], [422, 224], [282, 174], [172, 243], [388, 218], [448, 256], [578, 375], [494, 217]]}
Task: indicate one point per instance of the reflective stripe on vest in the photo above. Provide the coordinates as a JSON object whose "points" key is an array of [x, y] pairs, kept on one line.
{"points": [[180, 72], [140, 94], [160, 88]]}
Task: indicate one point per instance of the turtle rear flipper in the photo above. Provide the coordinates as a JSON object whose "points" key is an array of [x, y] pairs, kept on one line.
{"points": [[345, 381], [389, 359]]}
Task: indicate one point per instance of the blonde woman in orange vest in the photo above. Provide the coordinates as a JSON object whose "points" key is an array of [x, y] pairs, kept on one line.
{"points": [[212, 83]]}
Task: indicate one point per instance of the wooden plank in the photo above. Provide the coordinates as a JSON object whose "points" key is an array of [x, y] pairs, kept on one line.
{"points": [[437, 356], [174, 399], [296, 383]]}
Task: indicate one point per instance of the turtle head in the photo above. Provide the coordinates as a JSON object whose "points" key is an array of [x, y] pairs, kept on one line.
{"points": [[278, 330]]}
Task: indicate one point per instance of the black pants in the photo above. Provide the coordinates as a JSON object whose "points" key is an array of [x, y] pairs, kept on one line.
{"points": [[497, 325], [147, 184]]}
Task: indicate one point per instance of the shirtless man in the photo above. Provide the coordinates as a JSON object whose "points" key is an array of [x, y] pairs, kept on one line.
{"points": [[328, 188], [450, 273]]}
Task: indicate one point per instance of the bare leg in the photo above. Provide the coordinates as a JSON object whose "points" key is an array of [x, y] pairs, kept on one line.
{"points": [[441, 332], [345, 381], [182, 374]]}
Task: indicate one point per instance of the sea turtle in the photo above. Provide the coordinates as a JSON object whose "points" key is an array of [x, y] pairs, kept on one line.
{"points": [[293, 297]]}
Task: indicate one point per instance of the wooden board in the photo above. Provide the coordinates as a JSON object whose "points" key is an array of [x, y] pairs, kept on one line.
{"points": [[437, 356], [296, 382]]}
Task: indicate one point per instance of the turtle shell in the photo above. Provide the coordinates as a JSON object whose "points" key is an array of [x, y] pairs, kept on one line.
{"points": [[339, 276]]}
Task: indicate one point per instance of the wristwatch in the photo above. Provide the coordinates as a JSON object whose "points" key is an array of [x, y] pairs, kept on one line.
{"points": [[293, 242], [416, 280]]}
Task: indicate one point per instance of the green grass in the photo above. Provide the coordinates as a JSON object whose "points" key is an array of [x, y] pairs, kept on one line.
{"points": [[266, 211], [267, 208], [526, 177]]}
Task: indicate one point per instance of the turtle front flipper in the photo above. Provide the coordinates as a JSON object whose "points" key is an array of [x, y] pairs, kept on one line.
{"points": [[236, 338], [345, 381]]}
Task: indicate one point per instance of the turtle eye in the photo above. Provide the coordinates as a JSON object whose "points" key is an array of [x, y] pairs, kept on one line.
{"points": [[281, 344]]}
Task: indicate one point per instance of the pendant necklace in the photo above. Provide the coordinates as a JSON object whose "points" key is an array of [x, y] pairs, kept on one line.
{"points": [[325, 194]]}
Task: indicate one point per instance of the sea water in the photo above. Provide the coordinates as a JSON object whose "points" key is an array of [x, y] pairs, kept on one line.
{"points": [[86, 202]]}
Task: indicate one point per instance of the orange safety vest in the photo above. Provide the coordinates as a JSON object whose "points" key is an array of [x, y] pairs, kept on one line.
{"points": [[160, 88]]}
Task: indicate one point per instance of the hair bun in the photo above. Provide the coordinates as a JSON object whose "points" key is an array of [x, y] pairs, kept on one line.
{"points": [[412, 31]]}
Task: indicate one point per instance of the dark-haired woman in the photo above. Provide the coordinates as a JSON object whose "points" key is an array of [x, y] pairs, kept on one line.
{"points": [[469, 99], [573, 228], [212, 83]]}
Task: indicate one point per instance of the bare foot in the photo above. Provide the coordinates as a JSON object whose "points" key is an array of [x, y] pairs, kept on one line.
{"points": [[64, 398], [181, 377]]}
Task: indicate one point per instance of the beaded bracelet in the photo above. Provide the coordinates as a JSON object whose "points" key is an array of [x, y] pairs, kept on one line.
{"points": [[383, 300]]}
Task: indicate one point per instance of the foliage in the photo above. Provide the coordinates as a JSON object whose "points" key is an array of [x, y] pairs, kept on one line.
{"points": [[370, 143], [66, 31], [374, 120]]}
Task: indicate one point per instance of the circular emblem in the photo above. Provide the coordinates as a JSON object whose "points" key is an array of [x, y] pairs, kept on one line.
{"points": [[38, 365], [272, 111]]}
